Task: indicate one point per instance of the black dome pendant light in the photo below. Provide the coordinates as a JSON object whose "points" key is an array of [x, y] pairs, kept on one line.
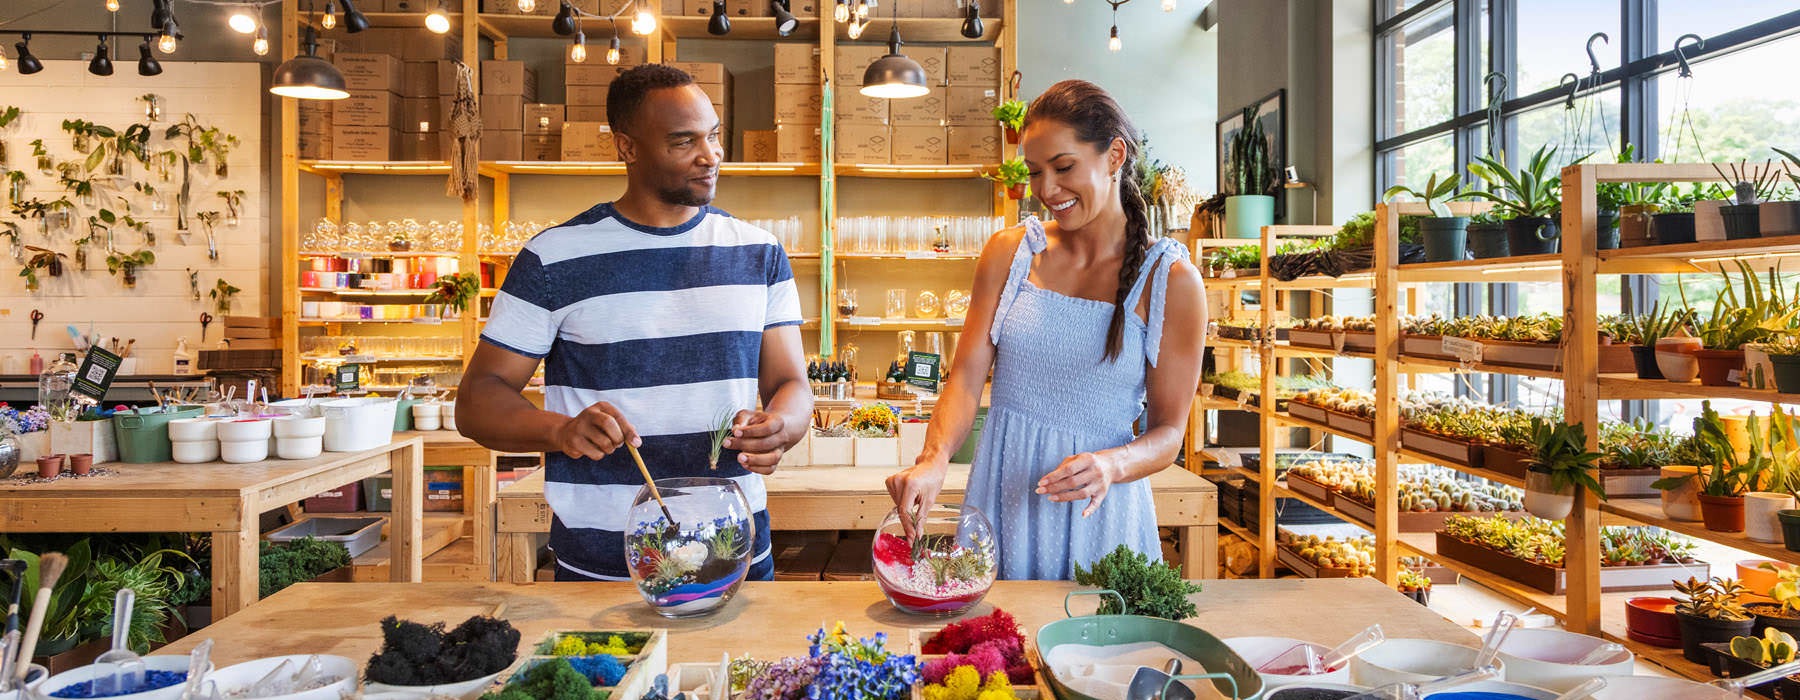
{"points": [[895, 76]]}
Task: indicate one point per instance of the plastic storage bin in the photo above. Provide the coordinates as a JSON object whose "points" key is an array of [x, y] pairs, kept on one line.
{"points": [[143, 435], [343, 499], [357, 534], [378, 494], [354, 425]]}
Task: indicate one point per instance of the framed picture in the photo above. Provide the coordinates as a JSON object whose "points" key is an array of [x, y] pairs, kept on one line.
{"points": [[1271, 114]]}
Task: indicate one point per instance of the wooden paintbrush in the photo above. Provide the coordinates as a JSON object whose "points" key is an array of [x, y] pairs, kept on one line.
{"points": [[50, 568], [654, 493]]}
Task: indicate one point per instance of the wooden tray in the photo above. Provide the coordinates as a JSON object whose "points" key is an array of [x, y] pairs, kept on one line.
{"points": [[1431, 346], [916, 646], [1307, 487], [1246, 333], [1307, 411], [641, 670], [1630, 483], [1504, 460], [1545, 356], [1360, 427], [1361, 341], [1450, 450], [1306, 569], [1410, 521], [1321, 340], [1555, 580]]}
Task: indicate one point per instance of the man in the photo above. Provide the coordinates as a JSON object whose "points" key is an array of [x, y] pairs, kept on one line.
{"points": [[655, 314]]}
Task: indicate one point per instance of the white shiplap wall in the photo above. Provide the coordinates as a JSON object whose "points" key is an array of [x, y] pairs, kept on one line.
{"points": [[160, 309]]}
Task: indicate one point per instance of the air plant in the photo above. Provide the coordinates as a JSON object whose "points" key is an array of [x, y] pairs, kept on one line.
{"points": [[222, 294], [723, 430]]}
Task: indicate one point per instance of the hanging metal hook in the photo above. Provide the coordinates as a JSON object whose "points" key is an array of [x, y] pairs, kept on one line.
{"points": [[1573, 83], [1594, 62], [1492, 81], [1681, 45], [1012, 85]]}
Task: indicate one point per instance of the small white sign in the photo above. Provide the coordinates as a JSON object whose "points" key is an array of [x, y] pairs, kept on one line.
{"points": [[1464, 349]]}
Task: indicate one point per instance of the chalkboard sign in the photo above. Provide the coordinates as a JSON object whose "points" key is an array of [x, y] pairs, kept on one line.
{"points": [[923, 370], [96, 374], [349, 378]]}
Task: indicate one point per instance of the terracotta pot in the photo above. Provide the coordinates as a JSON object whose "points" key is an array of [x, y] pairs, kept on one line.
{"points": [[1682, 502], [1544, 501], [1722, 513], [1634, 226], [81, 464], [1760, 521], [49, 466], [1015, 192], [1012, 135], [1720, 367]]}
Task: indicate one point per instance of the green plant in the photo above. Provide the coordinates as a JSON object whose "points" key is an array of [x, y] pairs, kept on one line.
{"points": [[1750, 184], [1011, 173], [1721, 471], [222, 294], [455, 290], [9, 115], [1787, 587], [1743, 313], [1011, 114], [1635, 445], [155, 584], [1436, 195], [1561, 451], [1613, 195], [1713, 599], [44, 259], [721, 430], [1529, 192], [1774, 647], [1247, 167], [62, 621], [283, 564], [128, 264], [1150, 589], [1244, 257], [1658, 323], [1791, 168]]}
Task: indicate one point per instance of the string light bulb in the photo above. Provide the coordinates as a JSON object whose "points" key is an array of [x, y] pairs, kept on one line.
{"points": [[1113, 44], [644, 22], [1168, 5], [862, 10], [261, 45], [329, 19], [166, 43], [856, 29], [578, 52], [527, 7], [112, 5], [241, 21], [2, 59], [437, 21], [612, 51], [841, 13]]}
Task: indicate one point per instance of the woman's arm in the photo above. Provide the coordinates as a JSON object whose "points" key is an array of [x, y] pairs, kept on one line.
{"points": [[1170, 394]]}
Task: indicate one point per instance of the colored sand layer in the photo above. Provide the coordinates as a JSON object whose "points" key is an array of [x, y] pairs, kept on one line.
{"points": [[1310, 694], [153, 680]]}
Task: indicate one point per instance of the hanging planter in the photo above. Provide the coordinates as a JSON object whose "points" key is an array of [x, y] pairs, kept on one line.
{"points": [[1014, 176], [1560, 468], [1010, 113], [1545, 500]]}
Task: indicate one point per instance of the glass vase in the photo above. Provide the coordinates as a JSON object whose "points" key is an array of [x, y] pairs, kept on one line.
{"points": [[945, 569], [693, 566]]}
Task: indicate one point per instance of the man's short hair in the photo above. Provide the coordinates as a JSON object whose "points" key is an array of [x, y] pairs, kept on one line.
{"points": [[628, 91]]}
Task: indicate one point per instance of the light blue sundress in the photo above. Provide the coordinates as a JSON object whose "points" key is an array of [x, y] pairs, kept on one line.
{"points": [[1054, 396]]}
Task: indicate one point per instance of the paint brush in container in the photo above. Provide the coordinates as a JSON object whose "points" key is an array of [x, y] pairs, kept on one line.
{"points": [[50, 569]]}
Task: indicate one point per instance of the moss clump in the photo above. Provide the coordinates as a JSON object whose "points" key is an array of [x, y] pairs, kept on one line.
{"points": [[415, 654], [551, 680]]}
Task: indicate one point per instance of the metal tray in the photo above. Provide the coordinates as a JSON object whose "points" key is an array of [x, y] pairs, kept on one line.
{"points": [[357, 534]]}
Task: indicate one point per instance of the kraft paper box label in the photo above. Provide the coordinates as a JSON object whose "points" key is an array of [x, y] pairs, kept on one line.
{"points": [[864, 143], [588, 141], [544, 119], [797, 143], [927, 110], [371, 71], [366, 109], [972, 106], [798, 104]]}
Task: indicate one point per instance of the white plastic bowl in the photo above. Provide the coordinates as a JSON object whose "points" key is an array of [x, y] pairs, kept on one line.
{"points": [[1523, 691], [1646, 687], [241, 676], [1542, 658], [1257, 651], [292, 427], [244, 430], [299, 447], [244, 452], [151, 663], [193, 430], [1412, 661], [196, 452], [466, 690], [354, 425]]}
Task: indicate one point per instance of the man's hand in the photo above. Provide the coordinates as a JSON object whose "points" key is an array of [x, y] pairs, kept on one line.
{"points": [[757, 437], [595, 432]]}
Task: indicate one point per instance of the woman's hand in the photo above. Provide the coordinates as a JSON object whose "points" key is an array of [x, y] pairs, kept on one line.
{"points": [[914, 490], [1086, 475]]}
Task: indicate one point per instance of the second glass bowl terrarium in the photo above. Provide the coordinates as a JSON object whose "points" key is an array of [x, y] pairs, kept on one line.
{"points": [[945, 569], [693, 566]]}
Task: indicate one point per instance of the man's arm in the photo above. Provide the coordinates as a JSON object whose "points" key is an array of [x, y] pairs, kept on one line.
{"points": [[491, 410], [761, 436]]}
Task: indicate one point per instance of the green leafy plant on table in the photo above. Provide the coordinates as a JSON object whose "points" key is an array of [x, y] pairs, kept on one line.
{"points": [[1149, 589]]}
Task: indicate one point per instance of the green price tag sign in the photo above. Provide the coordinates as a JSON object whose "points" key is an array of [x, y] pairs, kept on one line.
{"points": [[924, 370], [349, 378], [96, 374]]}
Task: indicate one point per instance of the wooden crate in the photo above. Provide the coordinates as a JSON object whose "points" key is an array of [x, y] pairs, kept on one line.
{"points": [[1359, 341], [641, 669], [1554, 580], [1504, 460], [1450, 450], [1038, 690], [1306, 569]]}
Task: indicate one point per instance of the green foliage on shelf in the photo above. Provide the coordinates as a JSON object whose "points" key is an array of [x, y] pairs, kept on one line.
{"points": [[1560, 450], [1436, 195], [1714, 599], [1531, 191], [284, 564]]}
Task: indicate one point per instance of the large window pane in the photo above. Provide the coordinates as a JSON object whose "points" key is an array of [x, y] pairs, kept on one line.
{"points": [[1553, 38], [1424, 72], [1414, 164], [1734, 110], [1590, 129], [1389, 8], [1711, 18]]}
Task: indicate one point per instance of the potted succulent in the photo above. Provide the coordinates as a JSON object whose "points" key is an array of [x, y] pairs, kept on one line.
{"points": [[1011, 115], [1783, 615], [1531, 197], [1782, 218], [1445, 236], [1642, 331], [1560, 466], [1751, 185], [1415, 585], [1250, 180], [1014, 176], [1738, 318], [1723, 475], [1709, 611], [1773, 489]]}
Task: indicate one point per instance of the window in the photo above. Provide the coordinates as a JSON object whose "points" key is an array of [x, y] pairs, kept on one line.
{"points": [[1711, 17], [1552, 40], [1424, 55], [1728, 111], [1415, 164], [1590, 126]]}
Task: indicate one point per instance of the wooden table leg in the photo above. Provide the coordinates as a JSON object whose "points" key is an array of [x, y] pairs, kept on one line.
{"points": [[407, 529], [517, 557], [1199, 551], [236, 580], [479, 482]]}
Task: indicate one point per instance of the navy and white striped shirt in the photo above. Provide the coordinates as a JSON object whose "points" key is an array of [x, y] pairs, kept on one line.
{"points": [[664, 323]]}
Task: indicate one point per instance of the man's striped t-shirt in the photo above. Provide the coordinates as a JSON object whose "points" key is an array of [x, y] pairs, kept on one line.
{"points": [[664, 323]]}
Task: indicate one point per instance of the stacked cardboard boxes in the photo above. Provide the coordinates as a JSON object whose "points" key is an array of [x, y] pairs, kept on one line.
{"points": [[972, 91], [506, 86], [366, 125], [863, 134], [951, 124], [798, 108], [716, 81]]}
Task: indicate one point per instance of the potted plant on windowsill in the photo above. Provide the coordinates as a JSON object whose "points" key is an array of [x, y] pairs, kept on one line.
{"points": [[1744, 313], [1723, 475], [1012, 174], [1529, 197], [1709, 611], [1751, 185], [1250, 180], [1560, 467], [1445, 236]]}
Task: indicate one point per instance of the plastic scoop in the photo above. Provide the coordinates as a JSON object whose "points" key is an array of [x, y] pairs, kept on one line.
{"points": [[1773, 673], [1416, 691], [1599, 654], [198, 661], [1149, 683], [1490, 646], [1585, 690], [279, 681], [1305, 659], [129, 673]]}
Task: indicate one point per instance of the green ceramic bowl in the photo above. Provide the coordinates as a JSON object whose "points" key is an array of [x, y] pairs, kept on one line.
{"points": [[1231, 675]]}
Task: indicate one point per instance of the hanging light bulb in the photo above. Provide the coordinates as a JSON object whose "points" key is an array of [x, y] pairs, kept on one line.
{"points": [[841, 13], [578, 52], [242, 21], [329, 19], [644, 23], [166, 42], [2, 59], [1068, 2], [612, 51], [862, 10], [1113, 44], [856, 28], [1168, 5], [112, 5], [437, 21], [261, 44], [527, 7]]}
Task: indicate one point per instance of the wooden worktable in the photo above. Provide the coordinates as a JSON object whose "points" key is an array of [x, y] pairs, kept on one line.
{"points": [[766, 620], [856, 498], [223, 499]]}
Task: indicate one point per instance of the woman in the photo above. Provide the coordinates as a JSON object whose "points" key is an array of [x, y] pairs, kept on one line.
{"points": [[1080, 319]]}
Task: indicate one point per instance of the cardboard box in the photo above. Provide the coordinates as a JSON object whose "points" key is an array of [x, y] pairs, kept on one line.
{"points": [[420, 79], [500, 145], [588, 141], [591, 74], [583, 113], [934, 59], [796, 63], [315, 118], [425, 46], [747, 8], [797, 143], [420, 115], [760, 146], [585, 95], [540, 146], [702, 72], [718, 93], [852, 60], [918, 111], [798, 104], [365, 143], [854, 107], [974, 144], [691, 8], [315, 146], [371, 72], [864, 143], [508, 78], [919, 145], [543, 119], [970, 105], [380, 108], [446, 77], [432, 146], [972, 66], [502, 112]]}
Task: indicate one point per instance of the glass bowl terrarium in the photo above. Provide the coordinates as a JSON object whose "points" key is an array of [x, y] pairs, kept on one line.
{"points": [[945, 569], [693, 566]]}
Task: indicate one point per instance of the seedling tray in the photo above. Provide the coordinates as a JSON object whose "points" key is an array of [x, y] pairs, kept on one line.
{"points": [[1545, 356], [357, 534], [1307, 487], [1723, 664], [1321, 340], [1504, 460], [1554, 580], [1038, 690], [649, 659], [1450, 450], [1360, 341], [1307, 411], [1239, 332], [1429, 346], [1306, 569], [1630, 483], [1354, 425], [1410, 521]]}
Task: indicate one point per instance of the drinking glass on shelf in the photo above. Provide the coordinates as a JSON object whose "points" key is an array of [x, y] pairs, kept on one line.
{"points": [[927, 304], [846, 302], [934, 343], [353, 237], [896, 303]]}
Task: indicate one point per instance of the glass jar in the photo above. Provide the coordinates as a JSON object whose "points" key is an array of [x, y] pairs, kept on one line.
{"points": [[956, 303], [694, 565], [927, 304], [896, 303], [945, 569], [54, 386], [846, 302]]}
